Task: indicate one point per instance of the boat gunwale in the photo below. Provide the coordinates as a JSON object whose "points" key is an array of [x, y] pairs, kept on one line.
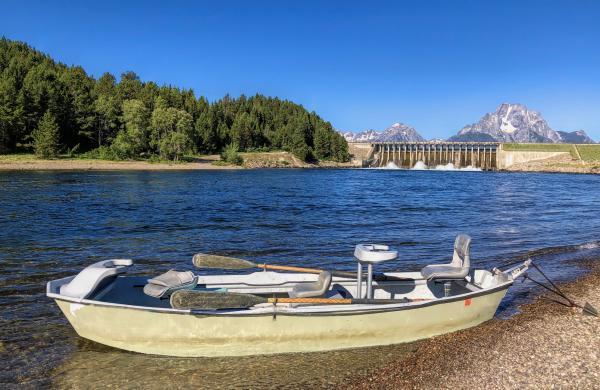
{"points": [[363, 309]]}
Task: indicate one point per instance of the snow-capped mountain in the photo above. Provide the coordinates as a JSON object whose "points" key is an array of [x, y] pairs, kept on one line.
{"points": [[364, 136], [510, 123], [396, 132], [575, 137]]}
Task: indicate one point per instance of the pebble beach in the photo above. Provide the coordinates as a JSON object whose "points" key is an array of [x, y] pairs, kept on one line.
{"points": [[546, 345]]}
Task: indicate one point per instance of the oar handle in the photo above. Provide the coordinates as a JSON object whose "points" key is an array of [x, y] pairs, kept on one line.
{"points": [[289, 268], [324, 301], [345, 301]]}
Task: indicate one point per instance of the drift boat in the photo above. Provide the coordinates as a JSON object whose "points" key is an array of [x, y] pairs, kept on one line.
{"points": [[267, 312]]}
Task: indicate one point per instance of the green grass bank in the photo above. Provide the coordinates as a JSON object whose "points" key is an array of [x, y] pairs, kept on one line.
{"points": [[587, 153]]}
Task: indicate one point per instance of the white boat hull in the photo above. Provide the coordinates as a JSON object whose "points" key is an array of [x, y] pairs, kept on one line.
{"points": [[199, 334]]}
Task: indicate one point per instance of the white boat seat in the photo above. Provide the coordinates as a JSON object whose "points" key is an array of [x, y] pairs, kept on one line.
{"points": [[166, 284], [311, 290], [458, 268], [92, 276], [374, 253]]}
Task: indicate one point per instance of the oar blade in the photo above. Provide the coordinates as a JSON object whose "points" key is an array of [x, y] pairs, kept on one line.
{"points": [[589, 309], [202, 260], [213, 300]]}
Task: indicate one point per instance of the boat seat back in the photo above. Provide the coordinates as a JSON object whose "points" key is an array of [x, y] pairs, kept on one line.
{"points": [[462, 246], [315, 289], [458, 268]]}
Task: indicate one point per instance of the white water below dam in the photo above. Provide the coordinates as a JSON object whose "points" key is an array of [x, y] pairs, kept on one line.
{"points": [[421, 166]]}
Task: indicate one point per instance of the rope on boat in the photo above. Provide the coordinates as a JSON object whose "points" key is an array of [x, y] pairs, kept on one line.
{"points": [[587, 308]]}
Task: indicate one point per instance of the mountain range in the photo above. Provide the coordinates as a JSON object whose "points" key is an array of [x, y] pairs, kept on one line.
{"points": [[396, 132], [509, 123]]}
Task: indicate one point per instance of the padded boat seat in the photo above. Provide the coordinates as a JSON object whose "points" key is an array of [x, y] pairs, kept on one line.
{"points": [[458, 268], [166, 284], [93, 276], [311, 290], [442, 271], [374, 253]]}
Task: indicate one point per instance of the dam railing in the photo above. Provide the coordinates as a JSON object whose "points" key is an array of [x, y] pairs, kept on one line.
{"points": [[481, 155]]}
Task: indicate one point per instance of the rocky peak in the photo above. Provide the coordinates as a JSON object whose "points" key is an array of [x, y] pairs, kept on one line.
{"points": [[396, 132], [575, 137], [364, 136], [512, 122]]}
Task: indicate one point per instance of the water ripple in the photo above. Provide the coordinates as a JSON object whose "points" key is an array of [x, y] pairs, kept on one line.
{"points": [[54, 223]]}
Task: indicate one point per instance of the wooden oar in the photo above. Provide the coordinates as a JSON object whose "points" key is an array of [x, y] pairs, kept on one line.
{"points": [[202, 260], [204, 300]]}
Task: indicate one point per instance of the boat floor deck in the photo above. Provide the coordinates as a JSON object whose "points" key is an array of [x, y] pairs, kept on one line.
{"points": [[129, 290]]}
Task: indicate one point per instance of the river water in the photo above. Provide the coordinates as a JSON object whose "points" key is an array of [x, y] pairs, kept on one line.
{"points": [[52, 224]]}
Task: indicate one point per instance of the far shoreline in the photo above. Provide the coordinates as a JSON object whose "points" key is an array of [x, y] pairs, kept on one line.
{"points": [[256, 160], [263, 160], [106, 165]]}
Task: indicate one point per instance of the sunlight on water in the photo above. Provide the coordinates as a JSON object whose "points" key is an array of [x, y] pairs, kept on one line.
{"points": [[96, 364]]}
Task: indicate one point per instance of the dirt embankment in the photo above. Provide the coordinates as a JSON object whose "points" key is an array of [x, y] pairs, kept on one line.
{"points": [[547, 345], [561, 164]]}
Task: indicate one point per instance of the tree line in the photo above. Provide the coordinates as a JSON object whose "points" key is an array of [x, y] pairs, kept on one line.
{"points": [[51, 106]]}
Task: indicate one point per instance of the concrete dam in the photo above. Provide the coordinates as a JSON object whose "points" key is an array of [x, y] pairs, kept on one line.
{"points": [[481, 155]]}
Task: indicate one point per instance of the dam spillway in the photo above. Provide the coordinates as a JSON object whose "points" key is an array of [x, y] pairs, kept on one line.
{"points": [[482, 155]]}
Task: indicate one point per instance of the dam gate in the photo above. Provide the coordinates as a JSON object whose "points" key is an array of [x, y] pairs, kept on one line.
{"points": [[481, 155]]}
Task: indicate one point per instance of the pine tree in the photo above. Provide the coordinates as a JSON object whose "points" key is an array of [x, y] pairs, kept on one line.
{"points": [[241, 131], [299, 147], [322, 141], [83, 116], [107, 108], [208, 138], [46, 136]]}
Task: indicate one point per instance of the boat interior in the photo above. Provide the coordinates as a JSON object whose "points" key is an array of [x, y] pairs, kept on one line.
{"points": [[106, 282]]}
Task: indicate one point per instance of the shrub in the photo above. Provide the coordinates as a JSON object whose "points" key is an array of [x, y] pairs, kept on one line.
{"points": [[70, 152], [231, 154], [101, 153]]}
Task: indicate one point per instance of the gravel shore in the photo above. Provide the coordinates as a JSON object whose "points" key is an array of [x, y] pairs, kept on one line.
{"points": [[547, 345]]}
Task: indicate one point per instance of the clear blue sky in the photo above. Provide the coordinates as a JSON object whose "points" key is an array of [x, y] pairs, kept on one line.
{"points": [[435, 65]]}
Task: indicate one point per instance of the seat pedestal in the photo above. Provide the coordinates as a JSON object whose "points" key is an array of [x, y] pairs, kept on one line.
{"points": [[370, 254]]}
